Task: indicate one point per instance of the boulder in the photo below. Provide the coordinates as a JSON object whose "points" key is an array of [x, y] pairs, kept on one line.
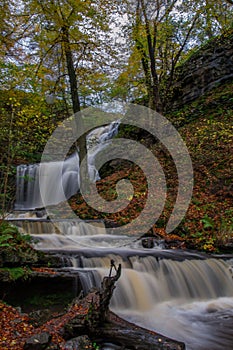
{"points": [[38, 341]]}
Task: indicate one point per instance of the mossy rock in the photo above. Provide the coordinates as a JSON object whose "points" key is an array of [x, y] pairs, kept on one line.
{"points": [[13, 257]]}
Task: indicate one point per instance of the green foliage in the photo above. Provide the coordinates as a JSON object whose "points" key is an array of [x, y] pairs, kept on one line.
{"points": [[7, 229], [6, 234], [26, 125], [95, 346], [16, 273], [160, 40], [208, 223], [15, 251], [4, 239]]}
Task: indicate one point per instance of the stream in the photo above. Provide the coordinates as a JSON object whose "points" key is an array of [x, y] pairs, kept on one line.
{"points": [[180, 294], [183, 295]]}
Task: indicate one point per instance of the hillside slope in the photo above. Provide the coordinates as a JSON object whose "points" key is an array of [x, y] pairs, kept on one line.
{"points": [[206, 125], [208, 132]]}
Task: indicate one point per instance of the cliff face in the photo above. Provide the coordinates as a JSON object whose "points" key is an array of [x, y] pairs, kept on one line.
{"points": [[207, 67]]}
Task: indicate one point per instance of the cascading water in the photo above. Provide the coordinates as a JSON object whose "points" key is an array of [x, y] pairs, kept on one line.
{"points": [[185, 296], [64, 234], [61, 178], [182, 295], [28, 191], [189, 300]]}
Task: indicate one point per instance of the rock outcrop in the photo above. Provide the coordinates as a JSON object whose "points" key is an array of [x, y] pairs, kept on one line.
{"points": [[207, 67]]}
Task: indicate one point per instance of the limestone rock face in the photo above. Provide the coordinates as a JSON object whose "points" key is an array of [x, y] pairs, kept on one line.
{"points": [[209, 66]]}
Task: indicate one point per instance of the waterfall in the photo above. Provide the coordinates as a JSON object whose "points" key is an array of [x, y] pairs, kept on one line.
{"points": [[61, 234], [189, 300], [60, 179], [54, 187], [154, 279], [183, 295]]}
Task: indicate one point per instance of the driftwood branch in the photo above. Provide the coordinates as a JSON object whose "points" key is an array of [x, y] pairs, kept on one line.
{"points": [[106, 291]]}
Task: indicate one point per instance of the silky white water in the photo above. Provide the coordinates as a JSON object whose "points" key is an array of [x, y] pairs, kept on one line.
{"points": [[200, 324], [176, 293], [190, 300], [57, 181]]}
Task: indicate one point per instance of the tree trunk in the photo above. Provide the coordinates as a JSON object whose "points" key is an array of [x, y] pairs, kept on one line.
{"points": [[148, 61], [81, 144]]}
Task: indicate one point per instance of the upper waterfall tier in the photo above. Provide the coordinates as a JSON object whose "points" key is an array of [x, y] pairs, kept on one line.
{"points": [[54, 182]]}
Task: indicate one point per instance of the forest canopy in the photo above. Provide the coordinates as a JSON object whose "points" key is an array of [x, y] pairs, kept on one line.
{"points": [[61, 56]]}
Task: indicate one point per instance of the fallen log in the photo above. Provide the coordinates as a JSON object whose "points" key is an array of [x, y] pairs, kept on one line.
{"points": [[128, 335]]}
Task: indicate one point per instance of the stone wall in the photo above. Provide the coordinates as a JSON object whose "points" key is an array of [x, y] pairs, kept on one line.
{"points": [[207, 67]]}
